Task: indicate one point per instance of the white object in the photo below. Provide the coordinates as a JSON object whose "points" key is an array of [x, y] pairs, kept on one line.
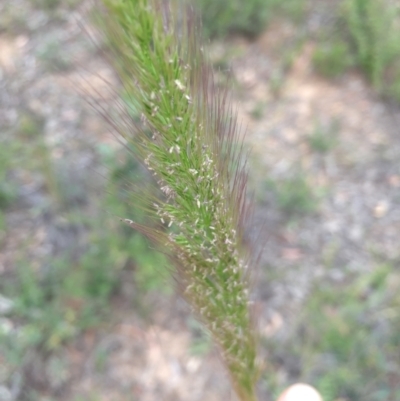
{"points": [[300, 392]]}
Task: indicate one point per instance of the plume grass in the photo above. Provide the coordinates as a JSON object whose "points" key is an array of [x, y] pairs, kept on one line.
{"points": [[188, 138]]}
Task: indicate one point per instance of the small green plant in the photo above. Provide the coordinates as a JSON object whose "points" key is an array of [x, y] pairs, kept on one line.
{"points": [[30, 125], [221, 17], [294, 196], [43, 320], [188, 140], [332, 58], [294, 9], [277, 82], [258, 110], [324, 139], [53, 57], [8, 194], [8, 190], [69, 294], [372, 26], [364, 34]]}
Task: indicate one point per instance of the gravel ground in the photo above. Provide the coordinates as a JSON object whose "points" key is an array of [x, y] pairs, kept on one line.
{"points": [[45, 55]]}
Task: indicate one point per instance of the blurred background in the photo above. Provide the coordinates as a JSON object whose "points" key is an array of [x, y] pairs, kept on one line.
{"points": [[85, 313]]}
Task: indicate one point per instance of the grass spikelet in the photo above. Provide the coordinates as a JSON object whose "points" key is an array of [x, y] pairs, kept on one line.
{"points": [[189, 140]]}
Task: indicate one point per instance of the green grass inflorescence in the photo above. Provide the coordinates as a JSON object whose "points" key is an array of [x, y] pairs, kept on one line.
{"points": [[188, 139]]}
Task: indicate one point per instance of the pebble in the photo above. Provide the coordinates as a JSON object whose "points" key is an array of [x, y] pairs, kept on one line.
{"points": [[6, 305]]}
